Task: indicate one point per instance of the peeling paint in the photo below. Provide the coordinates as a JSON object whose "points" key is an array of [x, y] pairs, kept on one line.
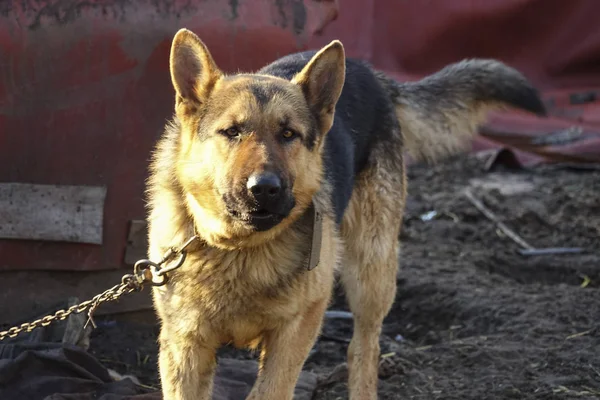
{"points": [[298, 11], [282, 22], [234, 4], [40, 13], [299, 16]]}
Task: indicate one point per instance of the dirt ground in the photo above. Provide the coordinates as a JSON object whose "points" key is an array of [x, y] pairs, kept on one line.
{"points": [[473, 318]]}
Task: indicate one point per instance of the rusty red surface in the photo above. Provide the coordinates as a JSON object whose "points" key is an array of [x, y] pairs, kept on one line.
{"points": [[85, 89]]}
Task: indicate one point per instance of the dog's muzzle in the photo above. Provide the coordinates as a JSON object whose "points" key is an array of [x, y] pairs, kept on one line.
{"points": [[267, 201]]}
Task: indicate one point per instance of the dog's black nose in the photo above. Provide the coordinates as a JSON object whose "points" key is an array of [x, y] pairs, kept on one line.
{"points": [[265, 187]]}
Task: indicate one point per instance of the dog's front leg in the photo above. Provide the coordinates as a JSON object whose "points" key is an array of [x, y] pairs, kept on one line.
{"points": [[284, 351], [186, 369]]}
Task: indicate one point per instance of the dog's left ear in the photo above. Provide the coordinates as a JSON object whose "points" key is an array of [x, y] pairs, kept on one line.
{"points": [[193, 70], [322, 80]]}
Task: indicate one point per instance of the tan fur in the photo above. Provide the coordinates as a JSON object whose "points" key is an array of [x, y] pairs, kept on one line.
{"points": [[248, 287], [237, 286], [440, 113], [451, 134], [370, 232]]}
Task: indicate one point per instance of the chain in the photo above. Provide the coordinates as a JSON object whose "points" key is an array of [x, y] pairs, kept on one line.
{"points": [[144, 272]]}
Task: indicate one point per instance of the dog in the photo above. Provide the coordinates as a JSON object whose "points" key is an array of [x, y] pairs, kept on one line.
{"points": [[258, 165]]}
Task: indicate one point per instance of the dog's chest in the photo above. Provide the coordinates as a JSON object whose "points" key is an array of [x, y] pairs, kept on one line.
{"points": [[233, 295]]}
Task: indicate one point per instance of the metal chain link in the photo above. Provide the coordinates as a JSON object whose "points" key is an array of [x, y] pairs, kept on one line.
{"points": [[145, 271]]}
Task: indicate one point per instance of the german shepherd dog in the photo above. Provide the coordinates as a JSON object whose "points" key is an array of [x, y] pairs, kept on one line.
{"points": [[247, 160]]}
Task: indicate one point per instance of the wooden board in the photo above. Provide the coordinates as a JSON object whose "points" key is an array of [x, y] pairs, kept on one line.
{"points": [[52, 212]]}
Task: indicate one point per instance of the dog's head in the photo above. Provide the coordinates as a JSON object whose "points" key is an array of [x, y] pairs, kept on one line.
{"points": [[250, 151]]}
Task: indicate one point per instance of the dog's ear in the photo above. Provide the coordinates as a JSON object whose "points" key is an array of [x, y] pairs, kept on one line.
{"points": [[322, 80], [193, 70]]}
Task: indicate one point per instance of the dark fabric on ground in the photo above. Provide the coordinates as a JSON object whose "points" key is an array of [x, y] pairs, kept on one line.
{"points": [[51, 371]]}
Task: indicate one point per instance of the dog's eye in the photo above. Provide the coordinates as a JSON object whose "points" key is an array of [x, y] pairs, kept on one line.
{"points": [[288, 134], [231, 132]]}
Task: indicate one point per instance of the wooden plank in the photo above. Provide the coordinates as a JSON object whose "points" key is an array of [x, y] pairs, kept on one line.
{"points": [[52, 212]]}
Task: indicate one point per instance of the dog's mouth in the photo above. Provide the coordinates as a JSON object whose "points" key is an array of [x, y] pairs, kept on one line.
{"points": [[262, 213], [258, 217], [261, 219], [259, 214]]}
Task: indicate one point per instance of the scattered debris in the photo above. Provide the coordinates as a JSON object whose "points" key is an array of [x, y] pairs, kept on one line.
{"points": [[580, 334], [586, 281], [550, 251], [115, 376], [526, 248], [399, 338], [505, 184], [492, 217], [428, 216], [334, 314], [431, 215]]}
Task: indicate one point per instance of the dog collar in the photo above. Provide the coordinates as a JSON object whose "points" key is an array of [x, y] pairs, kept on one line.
{"points": [[314, 254]]}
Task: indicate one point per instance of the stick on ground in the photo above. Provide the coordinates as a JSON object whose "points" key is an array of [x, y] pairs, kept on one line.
{"points": [[491, 216]]}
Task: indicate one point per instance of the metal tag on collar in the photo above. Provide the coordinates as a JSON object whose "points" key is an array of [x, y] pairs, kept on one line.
{"points": [[317, 236]]}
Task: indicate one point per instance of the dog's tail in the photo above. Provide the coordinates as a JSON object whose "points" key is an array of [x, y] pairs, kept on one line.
{"points": [[439, 114]]}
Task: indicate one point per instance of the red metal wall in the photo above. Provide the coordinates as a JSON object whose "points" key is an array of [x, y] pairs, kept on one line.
{"points": [[85, 89]]}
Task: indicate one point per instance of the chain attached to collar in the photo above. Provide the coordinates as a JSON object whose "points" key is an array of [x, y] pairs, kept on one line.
{"points": [[147, 271]]}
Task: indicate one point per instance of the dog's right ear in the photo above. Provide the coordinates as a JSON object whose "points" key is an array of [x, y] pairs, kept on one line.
{"points": [[193, 70], [322, 80]]}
